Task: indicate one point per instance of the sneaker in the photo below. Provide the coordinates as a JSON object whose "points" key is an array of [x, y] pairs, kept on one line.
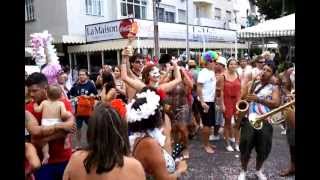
{"points": [[232, 140], [260, 175], [237, 147], [211, 137], [284, 132], [242, 176], [216, 138], [229, 148], [220, 130]]}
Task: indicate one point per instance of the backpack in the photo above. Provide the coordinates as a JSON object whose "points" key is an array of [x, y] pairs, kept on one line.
{"points": [[85, 106]]}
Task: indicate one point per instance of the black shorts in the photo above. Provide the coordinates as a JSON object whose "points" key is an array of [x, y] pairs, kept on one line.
{"points": [[208, 119], [291, 136], [196, 106], [251, 138]]}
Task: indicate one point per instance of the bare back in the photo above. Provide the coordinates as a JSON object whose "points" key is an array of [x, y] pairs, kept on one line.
{"points": [[52, 109], [132, 169]]}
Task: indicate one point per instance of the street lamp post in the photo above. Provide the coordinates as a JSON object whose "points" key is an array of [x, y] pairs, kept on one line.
{"points": [[155, 28], [187, 51]]}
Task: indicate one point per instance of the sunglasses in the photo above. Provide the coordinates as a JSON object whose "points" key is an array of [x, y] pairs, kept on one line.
{"points": [[139, 62], [262, 62]]}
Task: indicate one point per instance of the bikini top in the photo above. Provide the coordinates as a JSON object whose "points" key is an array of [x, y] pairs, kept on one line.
{"points": [[160, 138]]}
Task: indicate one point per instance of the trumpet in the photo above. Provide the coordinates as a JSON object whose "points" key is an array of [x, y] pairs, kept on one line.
{"points": [[257, 121]]}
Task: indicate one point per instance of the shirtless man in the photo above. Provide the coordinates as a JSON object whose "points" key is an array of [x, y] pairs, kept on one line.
{"points": [[244, 71], [137, 63]]}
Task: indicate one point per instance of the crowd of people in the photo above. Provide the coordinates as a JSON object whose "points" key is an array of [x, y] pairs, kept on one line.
{"points": [[141, 116]]}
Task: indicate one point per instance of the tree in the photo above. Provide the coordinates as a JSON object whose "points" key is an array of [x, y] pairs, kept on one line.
{"points": [[273, 8]]}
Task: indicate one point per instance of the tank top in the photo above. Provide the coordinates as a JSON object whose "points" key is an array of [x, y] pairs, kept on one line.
{"points": [[231, 88], [264, 93]]}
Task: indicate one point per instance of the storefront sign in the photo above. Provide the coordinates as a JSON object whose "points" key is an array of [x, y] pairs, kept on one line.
{"points": [[144, 29]]}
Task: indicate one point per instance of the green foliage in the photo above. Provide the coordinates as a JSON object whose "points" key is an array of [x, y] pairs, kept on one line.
{"points": [[273, 8]]}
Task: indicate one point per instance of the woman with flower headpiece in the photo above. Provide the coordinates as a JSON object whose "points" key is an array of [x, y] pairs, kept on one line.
{"points": [[145, 117]]}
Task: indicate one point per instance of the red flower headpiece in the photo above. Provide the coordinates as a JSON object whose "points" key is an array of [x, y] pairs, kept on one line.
{"points": [[120, 107]]}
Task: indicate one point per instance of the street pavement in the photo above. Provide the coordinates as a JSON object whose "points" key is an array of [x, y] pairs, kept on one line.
{"points": [[224, 165]]}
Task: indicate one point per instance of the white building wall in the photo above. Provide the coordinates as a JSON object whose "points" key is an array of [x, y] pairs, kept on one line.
{"points": [[68, 17], [49, 15], [77, 18]]}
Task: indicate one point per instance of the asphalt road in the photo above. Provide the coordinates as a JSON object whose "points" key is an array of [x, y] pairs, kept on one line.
{"points": [[225, 165]]}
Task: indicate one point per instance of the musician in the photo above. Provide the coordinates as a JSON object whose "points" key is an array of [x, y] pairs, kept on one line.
{"points": [[265, 96], [288, 88]]}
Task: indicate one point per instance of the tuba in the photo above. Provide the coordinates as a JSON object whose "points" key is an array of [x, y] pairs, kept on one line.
{"points": [[257, 121]]}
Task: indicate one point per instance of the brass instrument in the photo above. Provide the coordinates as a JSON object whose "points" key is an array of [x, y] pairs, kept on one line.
{"points": [[242, 106], [257, 121]]}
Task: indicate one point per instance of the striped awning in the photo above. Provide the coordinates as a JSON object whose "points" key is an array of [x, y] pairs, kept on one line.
{"points": [[281, 27], [149, 43], [69, 39]]}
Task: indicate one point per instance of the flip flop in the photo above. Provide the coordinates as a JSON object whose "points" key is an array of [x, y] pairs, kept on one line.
{"points": [[210, 151], [287, 172]]}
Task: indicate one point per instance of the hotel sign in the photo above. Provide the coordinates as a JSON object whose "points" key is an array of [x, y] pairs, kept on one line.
{"points": [[119, 30]]}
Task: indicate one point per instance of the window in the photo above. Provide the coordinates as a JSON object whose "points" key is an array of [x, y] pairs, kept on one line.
{"points": [[94, 7], [182, 16], [134, 8], [170, 17], [166, 16], [217, 13], [29, 11], [228, 16], [161, 15]]}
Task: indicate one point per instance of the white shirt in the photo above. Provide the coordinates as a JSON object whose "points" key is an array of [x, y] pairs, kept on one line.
{"points": [[208, 79]]}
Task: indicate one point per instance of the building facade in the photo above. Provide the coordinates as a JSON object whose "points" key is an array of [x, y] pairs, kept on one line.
{"points": [[215, 20]]}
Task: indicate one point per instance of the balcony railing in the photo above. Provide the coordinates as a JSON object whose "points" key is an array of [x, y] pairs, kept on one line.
{"points": [[217, 23]]}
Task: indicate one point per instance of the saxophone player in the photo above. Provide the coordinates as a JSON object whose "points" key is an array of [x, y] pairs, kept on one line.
{"points": [[265, 97]]}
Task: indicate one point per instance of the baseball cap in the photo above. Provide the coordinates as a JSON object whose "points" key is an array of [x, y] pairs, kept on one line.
{"points": [[222, 60]]}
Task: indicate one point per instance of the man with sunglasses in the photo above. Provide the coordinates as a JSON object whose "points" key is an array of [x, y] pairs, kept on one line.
{"points": [[137, 62], [256, 71]]}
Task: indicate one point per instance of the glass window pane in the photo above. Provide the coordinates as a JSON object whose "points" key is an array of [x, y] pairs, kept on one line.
{"points": [[137, 1], [123, 9], [144, 3], [130, 0], [161, 14], [130, 9], [137, 11], [143, 10]]}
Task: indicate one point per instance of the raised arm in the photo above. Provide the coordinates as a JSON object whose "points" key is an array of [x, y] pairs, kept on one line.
{"points": [[187, 80], [138, 85], [177, 79], [39, 108]]}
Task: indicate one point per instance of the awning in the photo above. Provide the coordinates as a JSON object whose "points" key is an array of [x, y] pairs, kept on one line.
{"points": [[149, 43], [69, 39], [281, 27]]}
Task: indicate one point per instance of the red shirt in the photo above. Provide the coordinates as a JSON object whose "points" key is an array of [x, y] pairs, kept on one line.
{"points": [[60, 150]]}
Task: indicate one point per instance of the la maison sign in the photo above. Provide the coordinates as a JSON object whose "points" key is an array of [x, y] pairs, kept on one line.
{"points": [[121, 28]]}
